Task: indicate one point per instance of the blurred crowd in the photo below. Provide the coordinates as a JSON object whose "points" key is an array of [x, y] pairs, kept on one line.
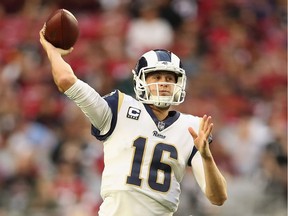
{"points": [[235, 56]]}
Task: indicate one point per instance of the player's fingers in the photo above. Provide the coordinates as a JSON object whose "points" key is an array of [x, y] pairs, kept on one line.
{"points": [[65, 52], [207, 123], [209, 130], [43, 28], [42, 31], [71, 49], [41, 34], [42, 38], [202, 122], [192, 132]]}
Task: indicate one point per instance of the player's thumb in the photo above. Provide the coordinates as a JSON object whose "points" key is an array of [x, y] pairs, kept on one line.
{"points": [[64, 52], [192, 132]]}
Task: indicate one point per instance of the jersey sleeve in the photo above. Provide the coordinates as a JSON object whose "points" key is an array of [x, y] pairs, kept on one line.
{"points": [[198, 171], [195, 161], [114, 101], [92, 105], [195, 150]]}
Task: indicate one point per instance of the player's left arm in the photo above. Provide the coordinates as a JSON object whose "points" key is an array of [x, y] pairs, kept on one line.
{"points": [[212, 181]]}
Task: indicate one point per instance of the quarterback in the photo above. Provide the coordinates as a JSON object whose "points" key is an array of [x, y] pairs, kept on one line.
{"points": [[147, 146]]}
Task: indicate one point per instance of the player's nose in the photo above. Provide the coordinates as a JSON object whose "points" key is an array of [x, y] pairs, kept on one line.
{"points": [[163, 83], [163, 79]]}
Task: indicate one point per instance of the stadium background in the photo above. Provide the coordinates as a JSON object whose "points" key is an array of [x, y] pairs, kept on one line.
{"points": [[235, 55]]}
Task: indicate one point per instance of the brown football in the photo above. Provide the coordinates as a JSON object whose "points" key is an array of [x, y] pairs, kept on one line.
{"points": [[62, 29]]}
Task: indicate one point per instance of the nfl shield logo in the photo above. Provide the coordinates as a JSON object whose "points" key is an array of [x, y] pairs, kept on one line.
{"points": [[161, 125]]}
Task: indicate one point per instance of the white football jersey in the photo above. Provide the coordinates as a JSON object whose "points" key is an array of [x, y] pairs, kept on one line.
{"points": [[143, 155]]}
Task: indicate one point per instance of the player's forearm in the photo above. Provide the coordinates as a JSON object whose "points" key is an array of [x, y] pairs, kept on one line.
{"points": [[216, 190], [63, 74]]}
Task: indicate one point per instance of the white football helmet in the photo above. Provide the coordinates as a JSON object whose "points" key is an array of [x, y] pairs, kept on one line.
{"points": [[159, 60]]}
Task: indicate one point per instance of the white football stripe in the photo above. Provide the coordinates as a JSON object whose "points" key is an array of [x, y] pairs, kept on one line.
{"points": [[66, 11]]}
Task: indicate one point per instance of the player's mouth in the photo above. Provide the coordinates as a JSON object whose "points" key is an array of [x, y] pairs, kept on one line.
{"points": [[164, 93]]}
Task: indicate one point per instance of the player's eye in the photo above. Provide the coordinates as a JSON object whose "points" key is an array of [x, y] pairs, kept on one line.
{"points": [[158, 77], [170, 78]]}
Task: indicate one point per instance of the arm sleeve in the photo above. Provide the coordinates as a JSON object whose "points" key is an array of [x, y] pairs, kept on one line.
{"points": [[196, 163], [198, 171], [92, 105]]}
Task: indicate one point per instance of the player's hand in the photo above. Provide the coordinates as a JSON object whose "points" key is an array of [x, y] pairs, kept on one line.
{"points": [[48, 47], [201, 139]]}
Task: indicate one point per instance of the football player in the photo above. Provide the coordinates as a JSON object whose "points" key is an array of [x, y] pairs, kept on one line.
{"points": [[147, 146]]}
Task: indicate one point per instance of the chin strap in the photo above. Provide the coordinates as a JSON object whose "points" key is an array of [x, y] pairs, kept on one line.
{"points": [[161, 101]]}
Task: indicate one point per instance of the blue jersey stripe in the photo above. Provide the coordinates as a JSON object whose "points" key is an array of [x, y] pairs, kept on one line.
{"points": [[112, 100], [171, 118], [194, 151]]}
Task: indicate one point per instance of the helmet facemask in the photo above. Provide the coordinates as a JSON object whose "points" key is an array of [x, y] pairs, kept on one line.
{"points": [[142, 89]]}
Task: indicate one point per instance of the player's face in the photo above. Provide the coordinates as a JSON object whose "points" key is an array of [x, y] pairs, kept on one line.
{"points": [[163, 78]]}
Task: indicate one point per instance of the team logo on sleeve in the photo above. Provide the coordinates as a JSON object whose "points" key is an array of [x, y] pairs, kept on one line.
{"points": [[133, 113]]}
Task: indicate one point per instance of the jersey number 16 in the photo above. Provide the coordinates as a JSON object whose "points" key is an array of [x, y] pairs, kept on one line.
{"points": [[155, 165]]}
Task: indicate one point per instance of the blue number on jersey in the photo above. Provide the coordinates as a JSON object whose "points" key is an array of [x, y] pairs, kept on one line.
{"points": [[155, 165]]}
